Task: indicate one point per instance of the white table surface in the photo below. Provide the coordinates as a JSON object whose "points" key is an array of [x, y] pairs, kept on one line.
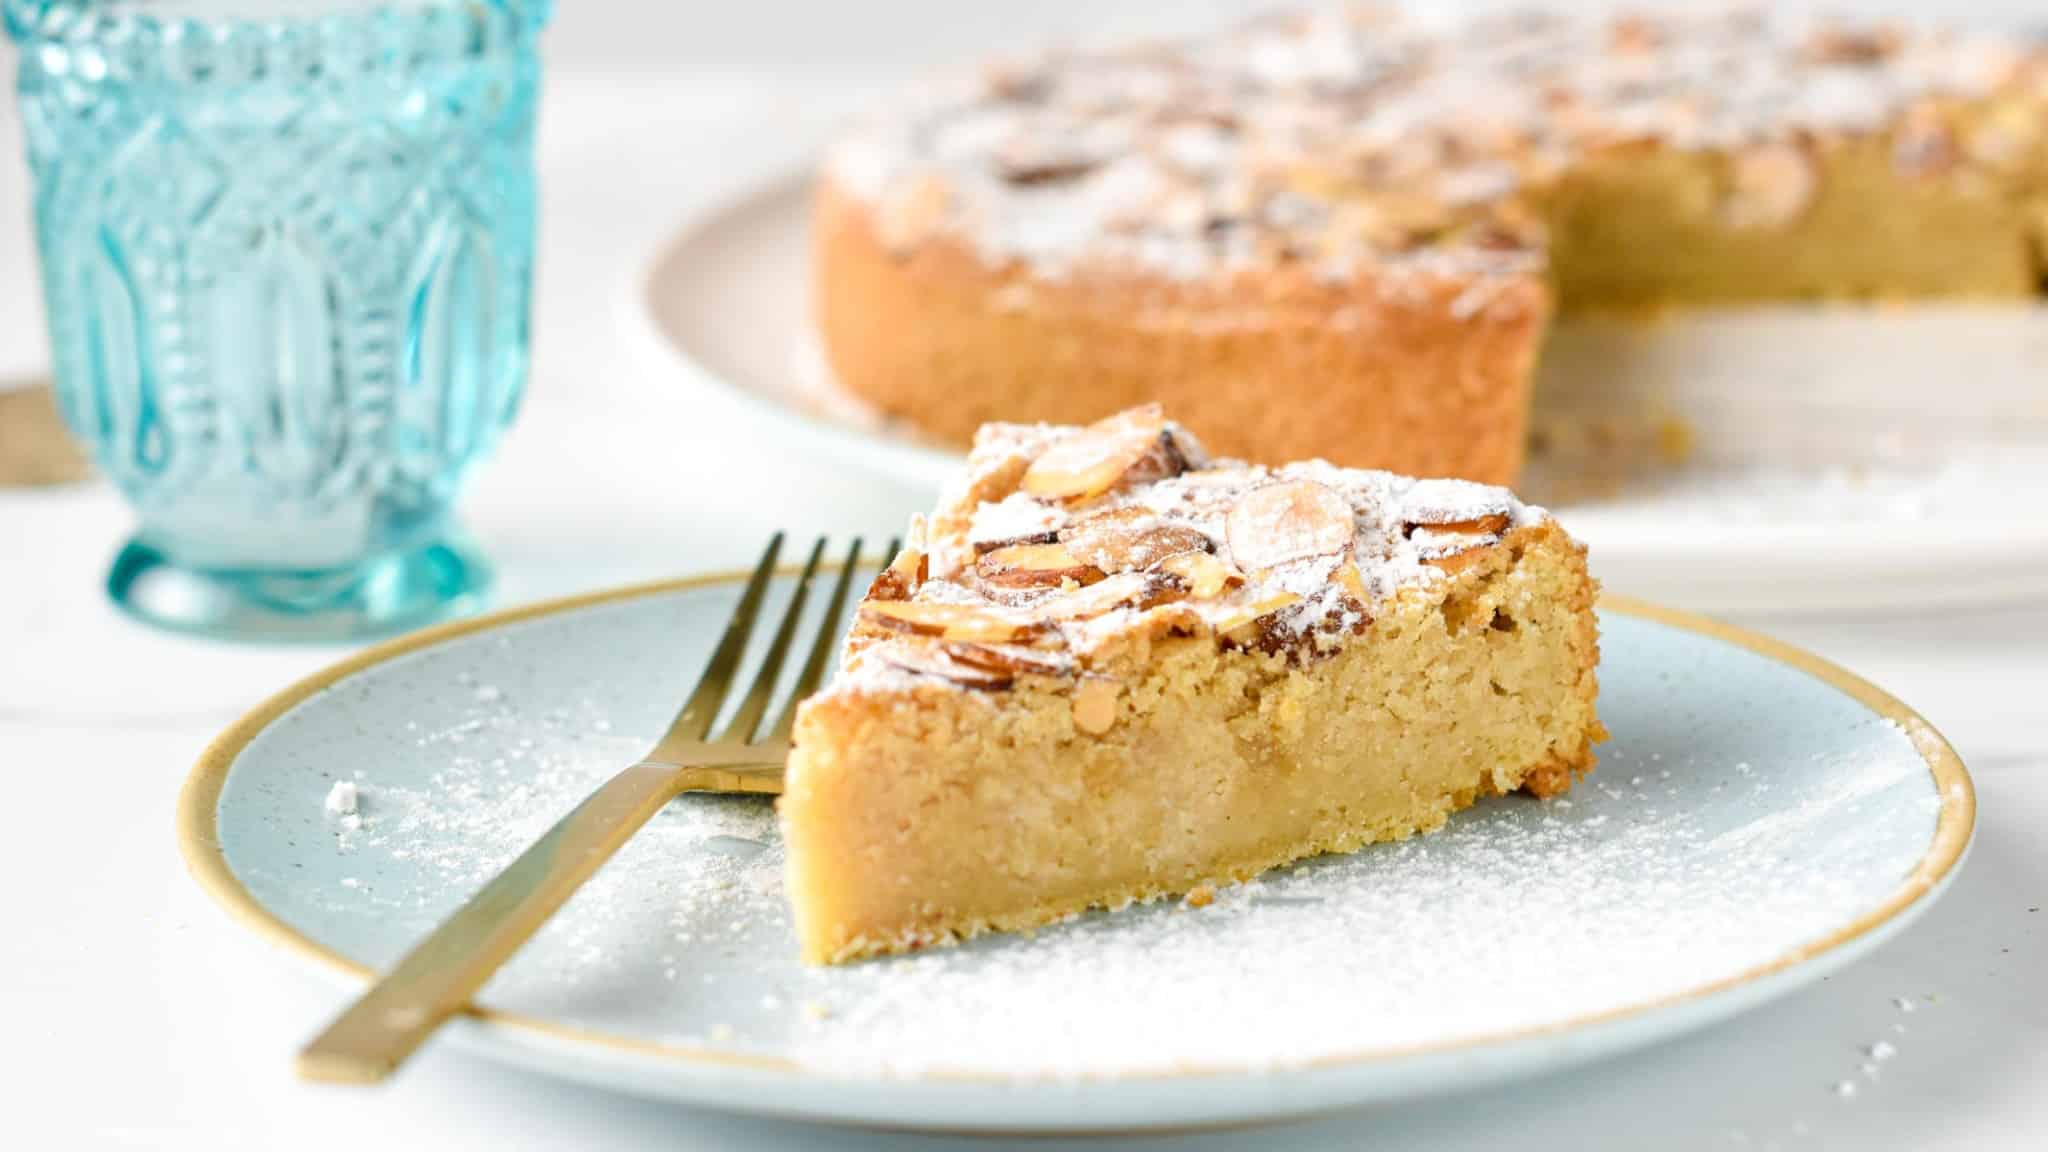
{"points": [[133, 1014]]}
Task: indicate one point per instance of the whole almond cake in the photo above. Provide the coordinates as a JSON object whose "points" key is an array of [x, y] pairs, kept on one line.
{"points": [[1343, 233], [1113, 669]]}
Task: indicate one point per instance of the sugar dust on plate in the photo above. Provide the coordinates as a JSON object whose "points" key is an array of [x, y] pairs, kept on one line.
{"points": [[342, 799]]}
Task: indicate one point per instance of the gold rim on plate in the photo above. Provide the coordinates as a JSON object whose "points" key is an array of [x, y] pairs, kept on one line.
{"points": [[199, 839]]}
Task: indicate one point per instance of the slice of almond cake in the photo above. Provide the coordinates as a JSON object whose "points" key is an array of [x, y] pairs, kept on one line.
{"points": [[1114, 669]]}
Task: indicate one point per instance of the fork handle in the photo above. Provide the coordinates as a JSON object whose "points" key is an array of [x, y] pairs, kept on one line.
{"points": [[440, 975]]}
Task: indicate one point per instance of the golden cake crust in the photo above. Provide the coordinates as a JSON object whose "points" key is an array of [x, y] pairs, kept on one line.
{"points": [[1425, 373]]}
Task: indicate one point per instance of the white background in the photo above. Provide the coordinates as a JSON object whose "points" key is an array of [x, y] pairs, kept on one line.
{"points": [[134, 1015]]}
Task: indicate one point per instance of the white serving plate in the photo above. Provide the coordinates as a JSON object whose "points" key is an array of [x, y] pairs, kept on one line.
{"points": [[1758, 819], [1921, 434]]}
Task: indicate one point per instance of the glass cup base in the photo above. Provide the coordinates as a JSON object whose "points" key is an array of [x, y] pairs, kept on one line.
{"points": [[393, 593]]}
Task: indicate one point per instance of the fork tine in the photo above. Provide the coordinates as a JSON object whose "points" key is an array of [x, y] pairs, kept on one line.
{"points": [[709, 696], [754, 704], [821, 647]]}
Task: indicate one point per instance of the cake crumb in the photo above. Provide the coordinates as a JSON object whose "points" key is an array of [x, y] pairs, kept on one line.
{"points": [[1200, 896], [816, 1010], [342, 799]]}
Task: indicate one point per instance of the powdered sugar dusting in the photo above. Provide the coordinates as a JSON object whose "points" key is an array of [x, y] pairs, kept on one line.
{"points": [[1312, 550], [1014, 517], [341, 799], [1220, 153], [1742, 809]]}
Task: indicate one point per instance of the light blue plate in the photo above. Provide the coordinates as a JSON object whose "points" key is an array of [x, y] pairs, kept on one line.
{"points": [[1759, 819]]}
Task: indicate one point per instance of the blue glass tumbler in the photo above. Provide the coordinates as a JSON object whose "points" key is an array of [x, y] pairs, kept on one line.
{"points": [[287, 255]]}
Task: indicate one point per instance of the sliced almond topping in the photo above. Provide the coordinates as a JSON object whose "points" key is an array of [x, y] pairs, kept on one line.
{"points": [[1090, 462], [1177, 618], [927, 662], [1011, 658], [983, 547], [1349, 579], [1035, 566], [1455, 561], [966, 622], [1015, 519], [1203, 575], [1242, 620], [1125, 538], [1443, 538], [1437, 546], [1444, 502], [1164, 460], [902, 578], [1249, 612], [1037, 168], [1095, 705], [1291, 520], [1125, 589], [1489, 525]]}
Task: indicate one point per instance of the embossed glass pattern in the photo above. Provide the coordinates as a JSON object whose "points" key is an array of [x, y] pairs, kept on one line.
{"points": [[287, 251]]}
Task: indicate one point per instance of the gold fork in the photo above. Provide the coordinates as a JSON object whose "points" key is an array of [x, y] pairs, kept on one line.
{"points": [[438, 977]]}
